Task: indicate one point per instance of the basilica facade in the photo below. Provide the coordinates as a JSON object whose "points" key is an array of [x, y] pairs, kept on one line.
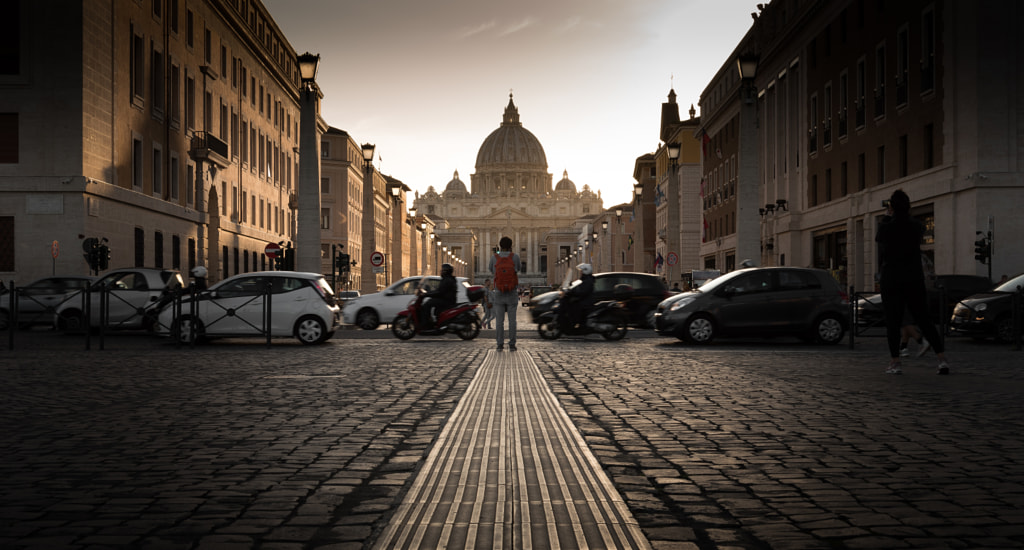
{"points": [[511, 194]]}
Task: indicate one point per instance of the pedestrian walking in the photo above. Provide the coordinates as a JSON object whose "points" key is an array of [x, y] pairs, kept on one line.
{"points": [[902, 280], [505, 267], [488, 303]]}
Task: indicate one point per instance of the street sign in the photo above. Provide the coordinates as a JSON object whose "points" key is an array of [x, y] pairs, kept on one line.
{"points": [[378, 270], [272, 250], [377, 259], [672, 258], [55, 249]]}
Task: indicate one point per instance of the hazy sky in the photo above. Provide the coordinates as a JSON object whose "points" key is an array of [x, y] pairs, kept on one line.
{"points": [[428, 80]]}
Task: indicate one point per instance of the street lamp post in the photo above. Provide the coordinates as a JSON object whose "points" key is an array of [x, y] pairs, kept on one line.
{"points": [[748, 193], [368, 229], [307, 234]]}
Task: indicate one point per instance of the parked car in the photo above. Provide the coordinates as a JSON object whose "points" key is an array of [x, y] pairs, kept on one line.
{"points": [[648, 292], [38, 300], [134, 298], [988, 314], [870, 312], [370, 310], [302, 305], [760, 301]]}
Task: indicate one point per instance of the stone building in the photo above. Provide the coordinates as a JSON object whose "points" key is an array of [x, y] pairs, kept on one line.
{"points": [[167, 128], [850, 101], [511, 195]]}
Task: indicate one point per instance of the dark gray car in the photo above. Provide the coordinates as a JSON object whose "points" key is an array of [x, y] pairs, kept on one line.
{"points": [[761, 301]]}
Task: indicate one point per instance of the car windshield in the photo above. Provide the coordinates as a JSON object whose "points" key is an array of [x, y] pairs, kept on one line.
{"points": [[713, 284], [1012, 284]]}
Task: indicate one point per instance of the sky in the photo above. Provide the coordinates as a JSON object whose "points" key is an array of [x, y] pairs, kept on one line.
{"points": [[427, 81]]}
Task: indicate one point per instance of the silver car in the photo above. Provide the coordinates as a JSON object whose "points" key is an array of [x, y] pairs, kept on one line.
{"points": [[37, 301], [134, 296], [370, 310]]}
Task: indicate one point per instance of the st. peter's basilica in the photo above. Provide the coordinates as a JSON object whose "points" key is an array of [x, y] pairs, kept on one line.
{"points": [[511, 194]]}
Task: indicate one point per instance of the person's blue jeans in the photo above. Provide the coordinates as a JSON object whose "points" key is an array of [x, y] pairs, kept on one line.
{"points": [[506, 303]]}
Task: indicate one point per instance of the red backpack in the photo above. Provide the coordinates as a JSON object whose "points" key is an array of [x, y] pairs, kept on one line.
{"points": [[505, 278]]}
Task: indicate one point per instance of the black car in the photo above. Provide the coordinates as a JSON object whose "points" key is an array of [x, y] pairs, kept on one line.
{"points": [[955, 287], [988, 314], [762, 301], [648, 292]]}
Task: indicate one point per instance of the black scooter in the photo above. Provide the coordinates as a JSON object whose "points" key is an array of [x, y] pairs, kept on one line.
{"points": [[608, 318]]}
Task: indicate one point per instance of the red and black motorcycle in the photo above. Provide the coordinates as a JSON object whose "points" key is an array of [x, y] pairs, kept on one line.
{"points": [[461, 319]]}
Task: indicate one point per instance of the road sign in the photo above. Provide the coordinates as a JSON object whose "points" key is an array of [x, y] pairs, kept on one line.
{"points": [[673, 258], [377, 259], [55, 249], [272, 250]]}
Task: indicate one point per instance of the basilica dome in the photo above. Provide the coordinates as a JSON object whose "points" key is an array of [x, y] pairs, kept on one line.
{"points": [[456, 184], [565, 184], [511, 144]]}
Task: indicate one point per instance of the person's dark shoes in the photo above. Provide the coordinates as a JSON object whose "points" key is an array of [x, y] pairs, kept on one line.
{"points": [[943, 367], [511, 347], [894, 367], [500, 347]]}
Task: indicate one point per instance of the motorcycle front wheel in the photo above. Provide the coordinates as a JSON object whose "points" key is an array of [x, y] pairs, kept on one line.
{"points": [[403, 327], [617, 333], [548, 329], [471, 331]]}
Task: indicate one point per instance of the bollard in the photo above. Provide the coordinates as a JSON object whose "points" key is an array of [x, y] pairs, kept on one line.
{"points": [[853, 314], [12, 321]]}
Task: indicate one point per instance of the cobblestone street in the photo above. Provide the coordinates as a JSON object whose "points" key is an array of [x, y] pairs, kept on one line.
{"points": [[741, 444]]}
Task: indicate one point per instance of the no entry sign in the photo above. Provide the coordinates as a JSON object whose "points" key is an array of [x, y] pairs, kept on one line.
{"points": [[272, 250]]}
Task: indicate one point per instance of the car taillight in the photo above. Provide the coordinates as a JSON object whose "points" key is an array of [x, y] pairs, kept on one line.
{"points": [[322, 291]]}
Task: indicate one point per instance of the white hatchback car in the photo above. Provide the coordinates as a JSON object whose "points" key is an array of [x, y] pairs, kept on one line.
{"points": [[370, 310], [301, 305], [131, 296]]}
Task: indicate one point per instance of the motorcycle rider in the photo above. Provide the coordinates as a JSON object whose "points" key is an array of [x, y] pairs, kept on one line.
{"points": [[577, 299], [439, 299]]}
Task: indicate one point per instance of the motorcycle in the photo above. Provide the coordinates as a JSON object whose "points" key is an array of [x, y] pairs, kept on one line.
{"points": [[461, 319], [608, 318]]}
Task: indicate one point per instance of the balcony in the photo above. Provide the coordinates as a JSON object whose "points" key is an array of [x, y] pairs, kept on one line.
{"points": [[206, 146]]}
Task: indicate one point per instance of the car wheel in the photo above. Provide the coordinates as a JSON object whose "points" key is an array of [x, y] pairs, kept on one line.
{"points": [[617, 333], [471, 331], [700, 329], [828, 330], [403, 328], [548, 329], [311, 330], [1004, 329], [71, 320], [189, 330], [367, 319]]}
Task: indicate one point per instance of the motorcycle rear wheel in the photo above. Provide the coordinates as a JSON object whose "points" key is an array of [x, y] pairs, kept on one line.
{"points": [[403, 327], [471, 331], [549, 329], [617, 333]]}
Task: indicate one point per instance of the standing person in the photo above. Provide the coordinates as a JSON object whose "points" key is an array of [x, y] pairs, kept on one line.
{"points": [[902, 280], [488, 303], [505, 267]]}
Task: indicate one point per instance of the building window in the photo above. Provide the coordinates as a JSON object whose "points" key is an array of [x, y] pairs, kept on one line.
{"points": [[225, 269], [903, 156], [138, 68], [190, 179], [843, 180], [208, 46], [173, 178], [174, 16], [191, 253], [813, 199], [880, 81], [190, 101], [927, 51], [860, 92], [812, 133], [10, 41], [158, 250], [175, 106], [902, 64], [140, 247], [261, 215], [158, 84], [325, 185], [175, 252], [828, 184], [9, 138], [325, 218], [158, 162], [861, 172], [325, 149], [827, 120], [137, 162], [844, 102], [190, 29]]}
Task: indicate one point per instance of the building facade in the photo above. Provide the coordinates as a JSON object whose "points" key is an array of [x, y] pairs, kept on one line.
{"points": [[850, 101], [166, 128], [510, 195]]}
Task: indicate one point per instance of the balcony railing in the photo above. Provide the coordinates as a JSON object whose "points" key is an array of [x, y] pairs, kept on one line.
{"points": [[209, 147]]}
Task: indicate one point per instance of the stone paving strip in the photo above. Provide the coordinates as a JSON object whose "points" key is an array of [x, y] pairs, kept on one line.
{"points": [[510, 470]]}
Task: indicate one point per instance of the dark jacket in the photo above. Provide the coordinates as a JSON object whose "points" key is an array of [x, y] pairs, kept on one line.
{"points": [[583, 290], [445, 292], [899, 249]]}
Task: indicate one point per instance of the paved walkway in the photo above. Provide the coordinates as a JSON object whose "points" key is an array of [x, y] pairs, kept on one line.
{"points": [[510, 470]]}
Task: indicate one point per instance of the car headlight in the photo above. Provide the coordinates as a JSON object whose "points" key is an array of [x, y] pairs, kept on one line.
{"points": [[679, 304]]}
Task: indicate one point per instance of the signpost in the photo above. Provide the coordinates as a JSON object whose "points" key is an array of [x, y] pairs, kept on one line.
{"points": [[272, 250], [55, 251]]}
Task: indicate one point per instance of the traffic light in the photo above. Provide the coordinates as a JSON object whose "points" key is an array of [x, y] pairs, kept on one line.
{"points": [[279, 262], [983, 249], [289, 259], [343, 262], [102, 257]]}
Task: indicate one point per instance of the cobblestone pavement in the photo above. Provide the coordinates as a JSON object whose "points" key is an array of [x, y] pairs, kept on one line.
{"points": [[753, 444]]}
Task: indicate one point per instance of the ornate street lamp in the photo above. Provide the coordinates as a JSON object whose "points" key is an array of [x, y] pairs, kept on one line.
{"points": [[307, 237]]}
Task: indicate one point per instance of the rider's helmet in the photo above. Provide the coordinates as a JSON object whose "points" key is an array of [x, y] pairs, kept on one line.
{"points": [[447, 269], [585, 269], [199, 272]]}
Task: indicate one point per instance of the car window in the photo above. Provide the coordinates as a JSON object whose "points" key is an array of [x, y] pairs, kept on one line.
{"points": [[280, 285], [128, 281], [431, 284], [759, 281], [407, 287], [245, 286], [797, 280], [606, 284]]}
